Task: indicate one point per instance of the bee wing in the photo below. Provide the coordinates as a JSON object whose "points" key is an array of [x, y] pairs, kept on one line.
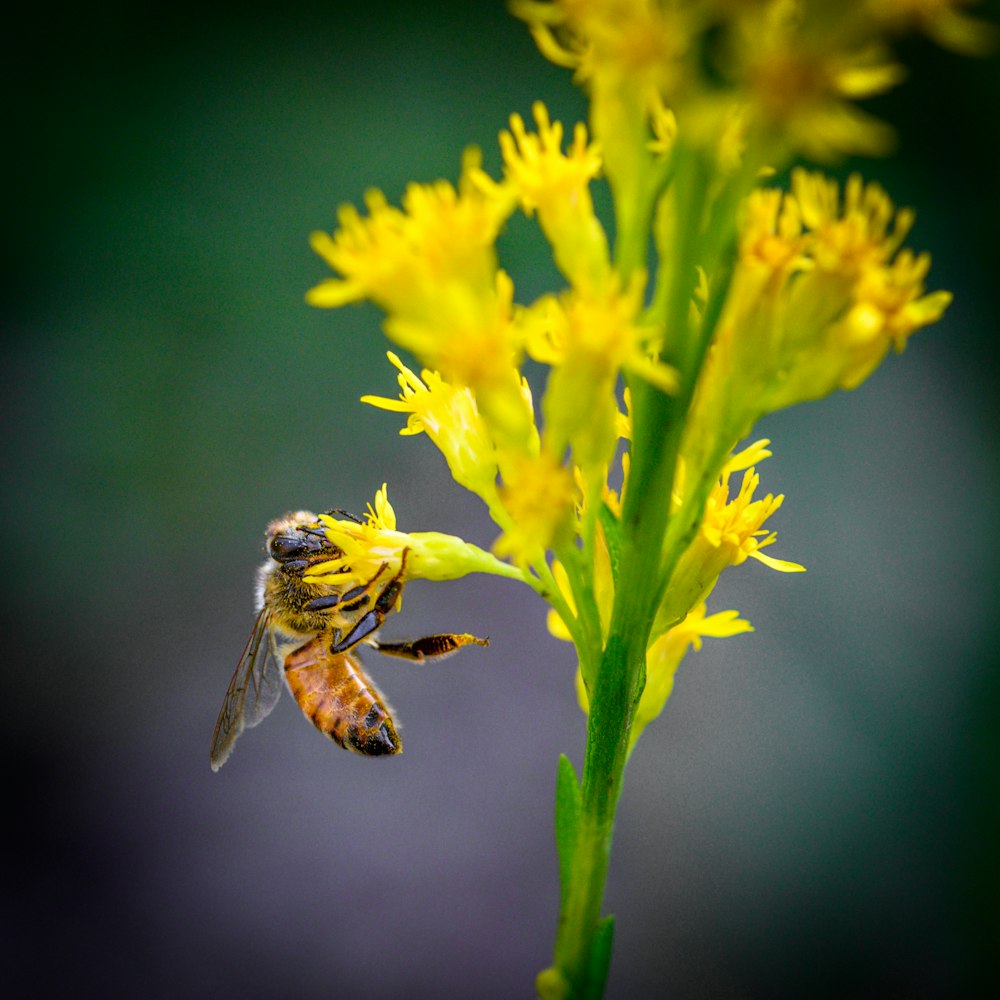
{"points": [[252, 692], [266, 675]]}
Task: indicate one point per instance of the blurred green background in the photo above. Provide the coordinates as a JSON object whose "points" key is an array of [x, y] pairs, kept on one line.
{"points": [[815, 815]]}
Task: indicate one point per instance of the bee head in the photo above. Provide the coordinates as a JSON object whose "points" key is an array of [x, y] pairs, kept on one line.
{"points": [[298, 537]]}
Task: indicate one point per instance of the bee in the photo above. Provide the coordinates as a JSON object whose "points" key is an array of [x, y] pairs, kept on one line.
{"points": [[307, 632]]}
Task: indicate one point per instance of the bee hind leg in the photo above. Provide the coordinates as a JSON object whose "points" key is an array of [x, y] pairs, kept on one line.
{"points": [[428, 647]]}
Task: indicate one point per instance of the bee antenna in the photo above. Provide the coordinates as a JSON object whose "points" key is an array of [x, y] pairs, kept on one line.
{"points": [[345, 513]]}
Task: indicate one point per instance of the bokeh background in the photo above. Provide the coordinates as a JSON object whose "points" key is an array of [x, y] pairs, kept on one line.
{"points": [[816, 813]]}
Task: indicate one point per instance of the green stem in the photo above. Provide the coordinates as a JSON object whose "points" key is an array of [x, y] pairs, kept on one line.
{"points": [[604, 766], [580, 958], [583, 943]]}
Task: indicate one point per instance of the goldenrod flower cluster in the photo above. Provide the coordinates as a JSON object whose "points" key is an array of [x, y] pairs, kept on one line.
{"points": [[720, 299], [372, 547]]}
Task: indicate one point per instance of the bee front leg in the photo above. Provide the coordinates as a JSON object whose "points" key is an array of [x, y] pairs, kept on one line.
{"points": [[328, 601], [429, 646]]}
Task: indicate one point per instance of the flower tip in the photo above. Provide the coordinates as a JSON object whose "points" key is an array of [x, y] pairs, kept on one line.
{"points": [[332, 293], [781, 565]]}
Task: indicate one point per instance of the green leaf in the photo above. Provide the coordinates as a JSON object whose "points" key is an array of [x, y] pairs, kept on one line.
{"points": [[613, 533], [600, 957], [567, 820]]}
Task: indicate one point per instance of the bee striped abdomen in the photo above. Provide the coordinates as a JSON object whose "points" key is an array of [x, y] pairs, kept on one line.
{"points": [[334, 692]]}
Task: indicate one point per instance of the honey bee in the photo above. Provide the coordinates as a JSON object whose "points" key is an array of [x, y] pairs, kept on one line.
{"points": [[307, 632]]}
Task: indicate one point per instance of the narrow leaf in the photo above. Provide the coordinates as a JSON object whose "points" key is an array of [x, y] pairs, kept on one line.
{"points": [[567, 819], [600, 957], [613, 533]]}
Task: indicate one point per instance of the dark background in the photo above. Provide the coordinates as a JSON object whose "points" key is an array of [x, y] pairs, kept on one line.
{"points": [[815, 814]]}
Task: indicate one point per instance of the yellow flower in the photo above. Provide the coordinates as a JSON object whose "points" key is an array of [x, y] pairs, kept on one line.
{"points": [[733, 527], [731, 532], [539, 496], [772, 242], [449, 416], [784, 71], [940, 20], [369, 546], [556, 184], [851, 234], [888, 307], [666, 653], [751, 455], [799, 75], [632, 57], [432, 266], [836, 321], [820, 292], [664, 656], [638, 43], [471, 339], [402, 259], [373, 547], [589, 337]]}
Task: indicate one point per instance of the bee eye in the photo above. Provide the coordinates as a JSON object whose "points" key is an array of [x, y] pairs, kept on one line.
{"points": [[293, 545]]}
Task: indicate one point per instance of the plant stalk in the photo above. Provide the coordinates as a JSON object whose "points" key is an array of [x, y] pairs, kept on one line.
{"points": [[583, 943], [581, 954]]}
